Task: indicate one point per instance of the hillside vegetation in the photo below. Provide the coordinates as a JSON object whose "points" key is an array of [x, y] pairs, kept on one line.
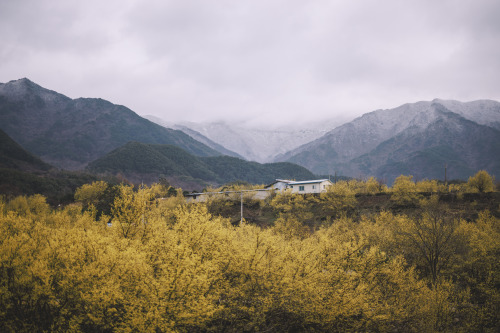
{"points": [[149, 162], [22, 173], [13, 156], [125, 259]]}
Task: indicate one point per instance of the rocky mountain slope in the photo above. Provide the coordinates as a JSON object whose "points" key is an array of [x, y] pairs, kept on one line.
{"points": [[69, 133], [418, 139]]}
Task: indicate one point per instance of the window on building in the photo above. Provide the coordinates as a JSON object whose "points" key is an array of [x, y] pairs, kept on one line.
{"points": [[314, 187], [301, 188]]}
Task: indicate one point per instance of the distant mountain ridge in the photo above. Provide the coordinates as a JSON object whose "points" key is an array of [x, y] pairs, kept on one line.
{"points": [[260, 144], [70, 133], [148, 162], [409, 140], [195, 135]]}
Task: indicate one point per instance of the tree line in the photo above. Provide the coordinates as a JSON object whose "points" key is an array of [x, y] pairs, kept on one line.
{"points": [[123, 259]]}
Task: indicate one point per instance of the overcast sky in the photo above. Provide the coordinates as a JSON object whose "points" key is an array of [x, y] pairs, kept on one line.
{"points": [[255, 61]]}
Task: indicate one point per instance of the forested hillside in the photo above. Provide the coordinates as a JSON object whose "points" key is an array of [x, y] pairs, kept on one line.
{"points": [[148, 162], [22, 173], [13, 156], [143, 260]]}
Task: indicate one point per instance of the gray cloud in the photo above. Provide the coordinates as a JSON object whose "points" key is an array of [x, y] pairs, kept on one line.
{"points": [[255, 60]]}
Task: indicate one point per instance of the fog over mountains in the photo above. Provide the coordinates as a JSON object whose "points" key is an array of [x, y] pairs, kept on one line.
{"points": [[260, 144], [417, 138]]}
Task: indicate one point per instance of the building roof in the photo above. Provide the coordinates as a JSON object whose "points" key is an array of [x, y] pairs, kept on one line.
{"points": [[278, 181], [293, 182], [317, 181]]}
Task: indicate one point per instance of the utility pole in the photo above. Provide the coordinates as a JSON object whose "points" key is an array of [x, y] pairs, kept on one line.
{"points": [[235, 192], [142, 187], [241, 201]]}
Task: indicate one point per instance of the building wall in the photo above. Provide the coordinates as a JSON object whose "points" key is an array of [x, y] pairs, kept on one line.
{"points": [[324, 185], [310, 188], [305, 188]]}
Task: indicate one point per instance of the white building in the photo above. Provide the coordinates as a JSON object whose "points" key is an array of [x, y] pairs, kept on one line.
{"points": [[301, 187]]}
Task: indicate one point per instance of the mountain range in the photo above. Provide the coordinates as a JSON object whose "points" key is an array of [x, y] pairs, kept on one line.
{"points": [[423, 139], [70, 133], [104, 138], [418, 139]]}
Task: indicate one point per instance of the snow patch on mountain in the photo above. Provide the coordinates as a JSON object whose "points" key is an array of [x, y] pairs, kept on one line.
{"points": [[364, 133], [483, 112], [255, 144], [24, 88]]}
